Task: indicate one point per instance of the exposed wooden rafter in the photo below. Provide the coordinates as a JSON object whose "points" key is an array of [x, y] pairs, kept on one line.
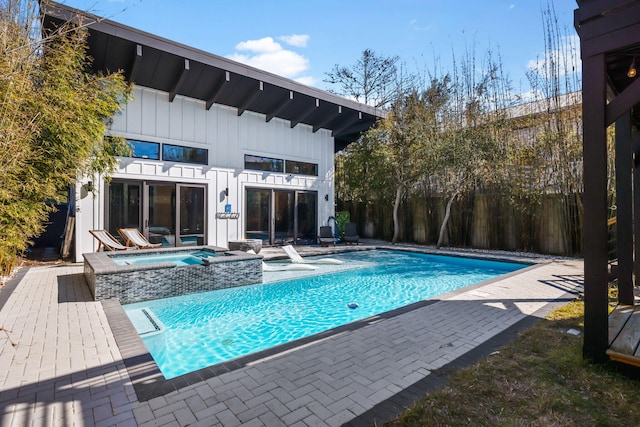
{"points": [[137, 60], [329, 117], [253, 95], [279, 107], [178, 85], [304, 113], [217, 88]]}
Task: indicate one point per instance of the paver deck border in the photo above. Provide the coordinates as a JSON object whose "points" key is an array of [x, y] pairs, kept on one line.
{"points": [[389, 409]]}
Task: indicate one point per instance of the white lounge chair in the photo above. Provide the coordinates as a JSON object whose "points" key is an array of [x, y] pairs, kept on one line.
{"points": [[133, 237], [287, 267], [283, 267], [107, 241], [297, 259]]}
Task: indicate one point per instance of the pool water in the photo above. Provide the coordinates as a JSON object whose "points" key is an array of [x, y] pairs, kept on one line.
{"points": [[179, 259], [213, 327]]}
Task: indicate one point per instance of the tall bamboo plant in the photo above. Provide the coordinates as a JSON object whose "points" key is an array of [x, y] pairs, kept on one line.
{"points": [[555, 123], [54, 114]]}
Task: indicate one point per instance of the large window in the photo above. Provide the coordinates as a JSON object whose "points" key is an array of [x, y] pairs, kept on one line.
{"points": [[145, 150], [178, 153], [301, 168], [260, 163], [269, 164], [170, 153]]}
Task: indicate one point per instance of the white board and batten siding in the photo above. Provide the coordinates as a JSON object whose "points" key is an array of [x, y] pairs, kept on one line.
{"points": [[228, 137]]}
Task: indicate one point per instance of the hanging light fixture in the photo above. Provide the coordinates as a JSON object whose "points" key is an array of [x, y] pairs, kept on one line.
{"points": [[632, 69]]}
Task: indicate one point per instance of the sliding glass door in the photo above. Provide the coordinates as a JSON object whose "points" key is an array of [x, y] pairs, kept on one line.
{"points": [[281, 216], [160, 213], [191, 215], [306, 214], [284, 218], [123, 208], [258, 207], [169, 213]]}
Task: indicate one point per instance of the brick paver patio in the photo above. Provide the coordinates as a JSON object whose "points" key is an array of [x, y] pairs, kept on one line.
{"points": [[60, 364]]}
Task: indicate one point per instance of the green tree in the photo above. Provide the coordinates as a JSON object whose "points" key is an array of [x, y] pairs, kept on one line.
{"points": [[468, 152], [373, 80], [54, 114], [390, 158]]}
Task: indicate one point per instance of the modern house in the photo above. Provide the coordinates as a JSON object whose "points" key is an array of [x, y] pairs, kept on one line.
{"points": [[221, 151]]}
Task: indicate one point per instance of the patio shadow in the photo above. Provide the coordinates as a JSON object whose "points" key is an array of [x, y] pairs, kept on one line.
{"points": [[73, 288]]}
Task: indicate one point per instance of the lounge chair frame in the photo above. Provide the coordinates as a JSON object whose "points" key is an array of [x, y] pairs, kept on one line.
{"points": [[106, 241], [296, 258], [134, 238], [326, 238], [351, 233]]}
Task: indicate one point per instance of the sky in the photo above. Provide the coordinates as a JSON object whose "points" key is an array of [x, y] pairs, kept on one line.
{"points": [[305, 39]]}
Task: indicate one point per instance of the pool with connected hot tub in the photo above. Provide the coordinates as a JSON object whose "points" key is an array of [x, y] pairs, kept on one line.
{"points": [[141, 275]]}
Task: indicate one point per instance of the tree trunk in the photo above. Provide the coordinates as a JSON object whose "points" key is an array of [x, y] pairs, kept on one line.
{"points": [[447, 214], [396, 221]]}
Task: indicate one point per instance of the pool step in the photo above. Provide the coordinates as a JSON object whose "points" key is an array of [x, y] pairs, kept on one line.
{"points": [[145, 322]]}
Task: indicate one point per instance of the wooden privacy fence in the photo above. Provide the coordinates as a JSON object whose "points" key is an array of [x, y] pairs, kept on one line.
{"points": [[478, 221]]}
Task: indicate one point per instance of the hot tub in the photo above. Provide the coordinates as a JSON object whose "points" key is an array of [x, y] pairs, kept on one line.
{"points": [[141, 275], [180, 259]]}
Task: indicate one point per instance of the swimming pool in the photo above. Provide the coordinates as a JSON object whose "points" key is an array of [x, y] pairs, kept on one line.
{"points": [[208, 328]]}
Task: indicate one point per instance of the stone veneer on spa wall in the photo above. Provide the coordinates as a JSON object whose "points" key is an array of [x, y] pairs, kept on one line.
{"points": [[142, 282]]}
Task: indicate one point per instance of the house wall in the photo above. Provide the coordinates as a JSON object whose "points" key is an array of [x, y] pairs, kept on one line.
{"points": [[228, 137]]}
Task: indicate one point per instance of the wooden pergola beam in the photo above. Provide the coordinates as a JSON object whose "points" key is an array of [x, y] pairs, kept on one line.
{"points": [[595, 235], [624, 203]]}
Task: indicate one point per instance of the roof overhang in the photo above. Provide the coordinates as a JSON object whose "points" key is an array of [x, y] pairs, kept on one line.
{"points": [[611, 29], [154, 62]]}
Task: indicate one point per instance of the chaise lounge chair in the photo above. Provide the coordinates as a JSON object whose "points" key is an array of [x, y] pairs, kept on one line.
{"points": [[283, 267], [107, 241], [351, 233], [286, 267], [133, 237], [326, 236], [297, 259]]}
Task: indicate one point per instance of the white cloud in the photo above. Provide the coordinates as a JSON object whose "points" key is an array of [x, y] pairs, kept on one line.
{"points": [[297, 40], [269, 55], [512, 6], [415, 26], [263, 45], [565, 59], [307, 80]]}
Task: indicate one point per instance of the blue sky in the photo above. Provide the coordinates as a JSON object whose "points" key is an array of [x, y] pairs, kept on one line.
{"points": [[303, 40]]}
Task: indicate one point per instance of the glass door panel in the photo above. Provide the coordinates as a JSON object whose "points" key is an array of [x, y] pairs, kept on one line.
{"points": [[258, 207], [161, 211], [306, 209], [192, 215], [124, 208], [284, 221]]}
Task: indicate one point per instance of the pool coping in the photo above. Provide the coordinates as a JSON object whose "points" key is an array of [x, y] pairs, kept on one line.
{"points": [[149, 382]]}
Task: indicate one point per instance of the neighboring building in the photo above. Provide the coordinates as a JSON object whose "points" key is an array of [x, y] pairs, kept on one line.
{"points": [[222, 151]]}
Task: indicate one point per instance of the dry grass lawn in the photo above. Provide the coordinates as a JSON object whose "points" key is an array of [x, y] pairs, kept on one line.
{"points": [[539, 380]]}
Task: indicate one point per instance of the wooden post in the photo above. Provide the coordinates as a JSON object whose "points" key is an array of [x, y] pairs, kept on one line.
{"points": [[624, 202], [595, 208]]}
